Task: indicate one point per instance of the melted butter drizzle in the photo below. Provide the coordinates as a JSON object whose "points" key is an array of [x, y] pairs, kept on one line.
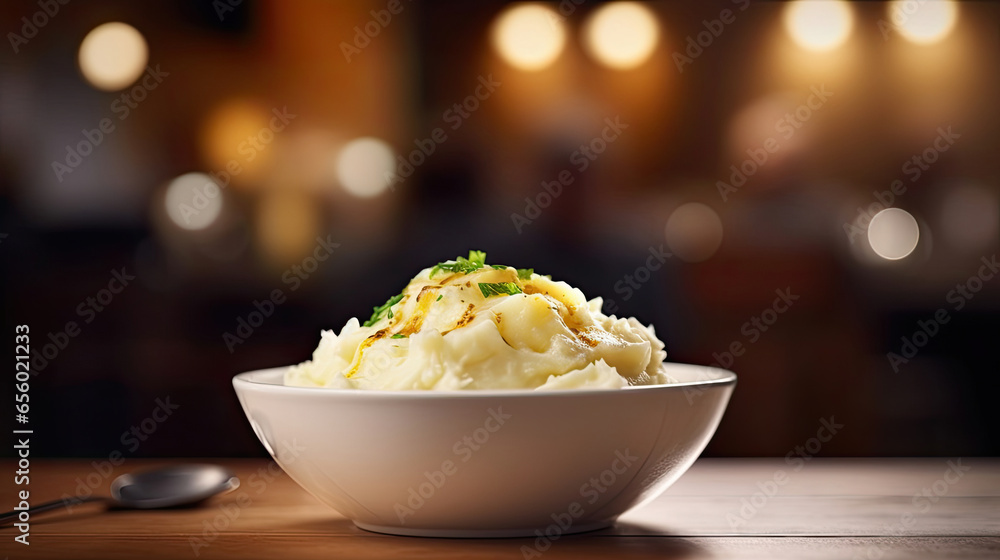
{"points": [[361, 348], [589, 335], [424, 300], [467, 318], [426, 297]]}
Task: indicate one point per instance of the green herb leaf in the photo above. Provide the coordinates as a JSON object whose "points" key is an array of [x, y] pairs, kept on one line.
{"points": [[475, 261], [499, 288], [399, 336], [439, 297], [383, 310], [478, 257], [525, 273]]}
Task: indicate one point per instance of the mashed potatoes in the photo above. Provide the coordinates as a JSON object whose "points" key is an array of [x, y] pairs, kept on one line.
{"points": [[464, 324]]}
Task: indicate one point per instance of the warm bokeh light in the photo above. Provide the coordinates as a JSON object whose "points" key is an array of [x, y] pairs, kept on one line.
{"points": [[365, 167], [893, 234], [236, 136], [193, 201], [926, 21], [529, 37], [694, 232], [819, 25], [287, 225], [112, 56], [622, 35], [970, 217], [758, 123], [304, 159]]}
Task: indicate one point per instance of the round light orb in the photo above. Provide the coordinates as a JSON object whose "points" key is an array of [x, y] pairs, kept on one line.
{"points": [[893, 234], [694, 232], [923, 21], [819, 25], [622, 35], [236, 134], [530, 36], [193, 201], [287, 222], [113, 56], [366, 167]]}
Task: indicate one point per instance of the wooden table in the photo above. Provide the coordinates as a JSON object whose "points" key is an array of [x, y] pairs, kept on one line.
{"points": [[722, 508]]}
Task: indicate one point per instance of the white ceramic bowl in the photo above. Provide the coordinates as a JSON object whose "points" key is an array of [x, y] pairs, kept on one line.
{"points": [[486, 463]]}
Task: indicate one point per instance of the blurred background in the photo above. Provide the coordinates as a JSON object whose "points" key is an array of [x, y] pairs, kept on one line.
{"points": [[806, 193]]}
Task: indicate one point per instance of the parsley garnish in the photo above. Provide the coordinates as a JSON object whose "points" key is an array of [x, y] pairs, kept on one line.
{"points": [[499, 288], [476, 260], [399, 336], [384, 310], [439, 297]]}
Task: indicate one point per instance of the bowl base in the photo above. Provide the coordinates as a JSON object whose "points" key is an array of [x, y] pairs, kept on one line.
{"points": [[477, 533]]}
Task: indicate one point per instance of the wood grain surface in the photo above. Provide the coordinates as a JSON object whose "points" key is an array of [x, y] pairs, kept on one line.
{"points": [[722, 508]]}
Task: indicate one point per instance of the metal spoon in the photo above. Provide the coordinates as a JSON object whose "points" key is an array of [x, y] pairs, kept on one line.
{"points": [[160, 488]]}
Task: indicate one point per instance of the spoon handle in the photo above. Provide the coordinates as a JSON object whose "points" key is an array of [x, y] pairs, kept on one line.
{"points": [[49, 506]]}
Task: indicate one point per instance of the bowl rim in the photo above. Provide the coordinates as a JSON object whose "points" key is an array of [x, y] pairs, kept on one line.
{"points": [[245, 380]]}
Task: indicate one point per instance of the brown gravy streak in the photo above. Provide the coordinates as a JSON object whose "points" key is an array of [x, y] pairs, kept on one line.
{"points": [[467, 318], [424, 300], [364, 345], [531, 289], [584, 338], [444, 281]]}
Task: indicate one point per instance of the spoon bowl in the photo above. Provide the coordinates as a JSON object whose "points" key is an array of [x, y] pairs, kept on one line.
{"points": [[172, 486], [165, 487]]}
